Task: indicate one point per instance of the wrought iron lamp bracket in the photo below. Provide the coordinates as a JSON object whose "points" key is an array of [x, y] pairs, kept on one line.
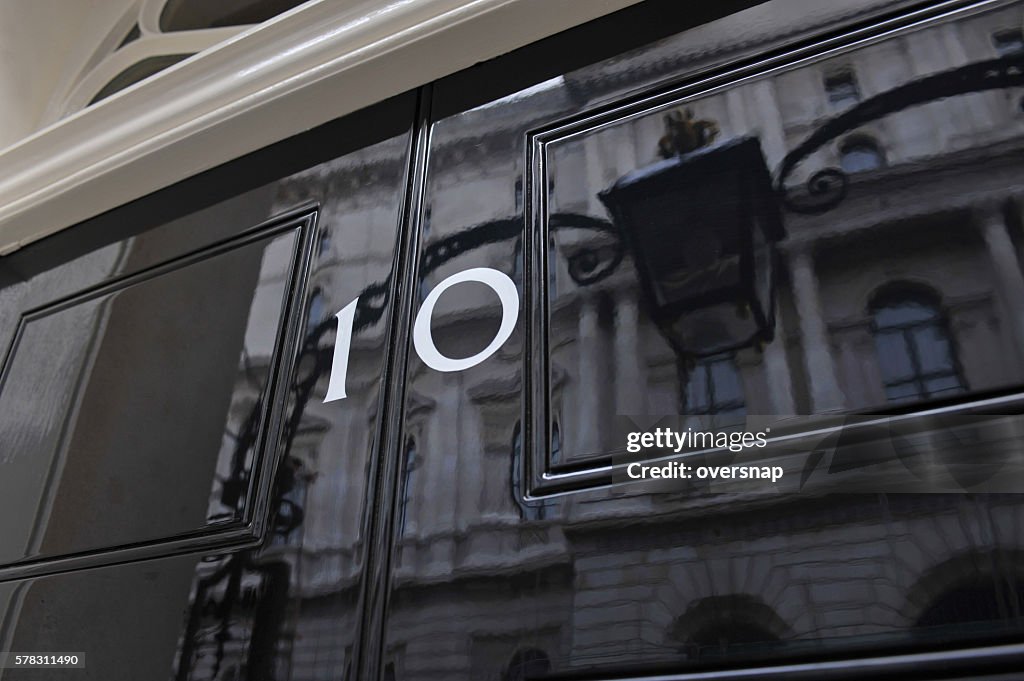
{"points": [[826, 188]]}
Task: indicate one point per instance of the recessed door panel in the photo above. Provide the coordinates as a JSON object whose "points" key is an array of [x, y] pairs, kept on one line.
{"points": [[710, 234]]}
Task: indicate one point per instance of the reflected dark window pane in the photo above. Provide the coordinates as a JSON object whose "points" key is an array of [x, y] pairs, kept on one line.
{"points": [[902, 392], [1008, 42], [715, 387], [698, 391], [942, 385], [860, 156], [726, 381], [933, 349], [894, 355], [915, 352], [904, 313], [842, 89]]}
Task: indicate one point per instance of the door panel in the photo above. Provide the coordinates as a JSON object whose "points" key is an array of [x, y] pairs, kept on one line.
{"points": [[99, 400], [522, 550], [187, 342]]}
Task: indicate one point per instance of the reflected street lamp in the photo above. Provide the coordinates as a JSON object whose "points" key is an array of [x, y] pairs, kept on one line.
{"points": [[702, 227]]}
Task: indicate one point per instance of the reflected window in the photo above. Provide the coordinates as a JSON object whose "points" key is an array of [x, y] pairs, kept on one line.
{"points": [[410, 467], [842, 89], [714, 386], [1010, 41], [721, 625], [915, 351], [859, 155]]}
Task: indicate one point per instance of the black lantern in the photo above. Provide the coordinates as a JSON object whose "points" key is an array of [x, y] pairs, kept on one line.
{"points": [[702, 228]]}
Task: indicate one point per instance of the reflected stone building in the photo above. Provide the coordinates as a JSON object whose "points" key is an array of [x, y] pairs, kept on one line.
{"points": [[909, 290], [488, 537]]}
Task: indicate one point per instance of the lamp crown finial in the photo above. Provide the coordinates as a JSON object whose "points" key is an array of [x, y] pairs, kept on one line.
{"points": [[684, 133]]}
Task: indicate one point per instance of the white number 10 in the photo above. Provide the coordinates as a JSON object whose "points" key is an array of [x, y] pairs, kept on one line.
{"points": [[422, 338]]}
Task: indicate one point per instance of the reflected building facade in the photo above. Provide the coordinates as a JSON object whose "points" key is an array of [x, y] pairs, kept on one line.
{"points": [[909, 290], [905, 295]]}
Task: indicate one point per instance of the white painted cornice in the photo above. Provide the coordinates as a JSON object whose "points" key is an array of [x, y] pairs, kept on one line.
{"points": [[320, 61]]}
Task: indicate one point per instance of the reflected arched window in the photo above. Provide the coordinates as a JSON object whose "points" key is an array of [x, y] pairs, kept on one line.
{"points": [[410, 465], [859, 155], [916, 355], [714, 386], [530, 663], [721, 625]]}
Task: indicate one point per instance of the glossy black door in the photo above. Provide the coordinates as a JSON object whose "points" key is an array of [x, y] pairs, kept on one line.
{"points": [[179, 500], [802, 217], [713, 233]]}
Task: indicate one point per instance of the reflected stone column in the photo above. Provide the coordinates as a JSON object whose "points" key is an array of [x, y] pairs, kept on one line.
{"points": [[589, 367], [821, 369], [1006, 268], [630, 378], [776, 369]]}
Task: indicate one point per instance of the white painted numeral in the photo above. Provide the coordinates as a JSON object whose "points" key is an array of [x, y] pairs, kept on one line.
{"points": [[422, 339], [342, 345], [424, 342]]}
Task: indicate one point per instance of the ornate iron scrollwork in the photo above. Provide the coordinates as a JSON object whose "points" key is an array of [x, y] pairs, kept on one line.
{"points": [[826, 188]]}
